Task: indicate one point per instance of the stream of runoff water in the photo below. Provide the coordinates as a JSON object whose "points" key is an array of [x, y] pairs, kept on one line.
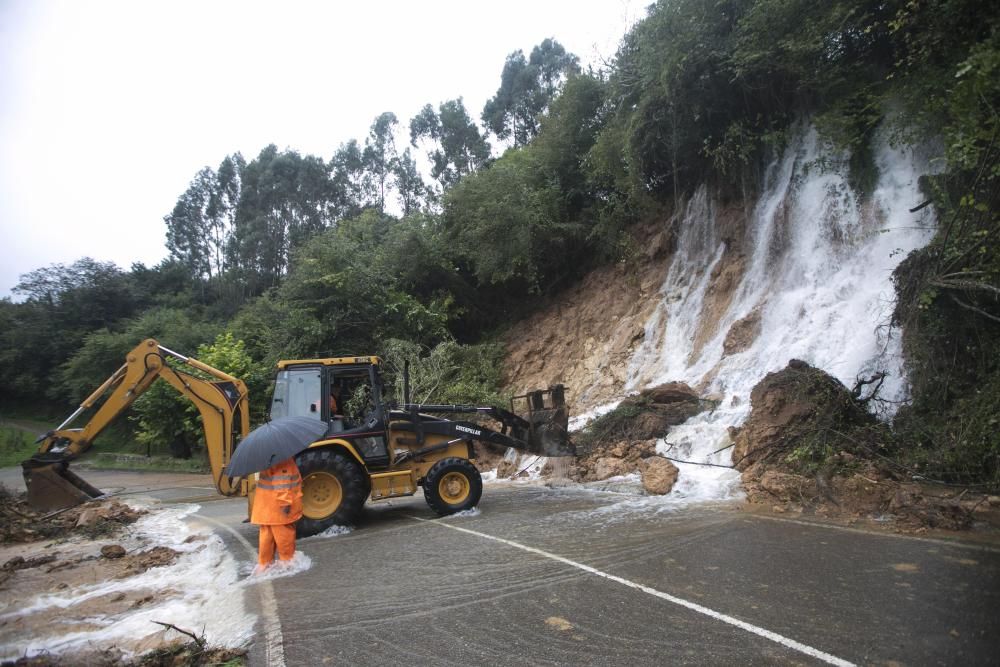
{"points": [[818, 261], [818, 269]]}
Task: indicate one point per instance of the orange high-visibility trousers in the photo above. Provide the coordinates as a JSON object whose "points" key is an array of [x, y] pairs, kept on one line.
{"points": [[280, 535], [277, 505]]}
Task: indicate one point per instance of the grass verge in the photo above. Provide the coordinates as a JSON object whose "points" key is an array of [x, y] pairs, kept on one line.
{"points": [[16, 445]]}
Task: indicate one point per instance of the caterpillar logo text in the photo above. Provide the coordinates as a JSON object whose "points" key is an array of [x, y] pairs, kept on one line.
{"points": [[466, 429]]}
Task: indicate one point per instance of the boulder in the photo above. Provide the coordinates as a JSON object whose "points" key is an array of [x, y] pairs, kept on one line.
{"points": [[791, 405], [658, 475], [671, 392], [786, 486], [742, 333], [609, 466], [112, 551], [88, 517]]}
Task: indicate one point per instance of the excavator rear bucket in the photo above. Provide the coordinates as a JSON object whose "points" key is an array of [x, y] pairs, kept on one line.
{"points": [[53, 486], [548, 421]]}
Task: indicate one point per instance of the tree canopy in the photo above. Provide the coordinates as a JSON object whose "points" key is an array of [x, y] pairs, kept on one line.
{"points": [[355, 252]]}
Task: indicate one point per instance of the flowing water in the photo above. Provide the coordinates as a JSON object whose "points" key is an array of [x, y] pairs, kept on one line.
{"points": [[200, 592], [818, 269]]}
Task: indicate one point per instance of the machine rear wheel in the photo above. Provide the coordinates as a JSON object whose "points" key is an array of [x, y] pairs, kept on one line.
{"points": [[334, 489], [452, 485]]}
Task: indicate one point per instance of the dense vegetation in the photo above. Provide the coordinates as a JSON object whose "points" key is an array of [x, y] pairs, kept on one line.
{"points": [[289, 255]]}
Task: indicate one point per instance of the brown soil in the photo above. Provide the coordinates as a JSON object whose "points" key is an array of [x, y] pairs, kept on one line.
{"points": [[624, 441], [20, 523], [177, 654], [84, 549], [586, 336], [808, 447]]}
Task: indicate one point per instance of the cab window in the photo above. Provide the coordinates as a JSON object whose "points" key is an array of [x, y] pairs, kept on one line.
{"points": [[297, 393]]}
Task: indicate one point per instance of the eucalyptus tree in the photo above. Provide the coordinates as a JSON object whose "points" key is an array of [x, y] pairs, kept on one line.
{"points": [[454, 143], [380, 156], [285, 200], [527, 87], [200, 226], [410, 188]]}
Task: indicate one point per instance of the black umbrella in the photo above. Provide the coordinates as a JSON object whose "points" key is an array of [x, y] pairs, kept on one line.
{"points": [[275, 441]]}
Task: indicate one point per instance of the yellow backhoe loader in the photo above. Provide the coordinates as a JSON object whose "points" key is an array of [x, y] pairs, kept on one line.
{"points": [[371, 449]]}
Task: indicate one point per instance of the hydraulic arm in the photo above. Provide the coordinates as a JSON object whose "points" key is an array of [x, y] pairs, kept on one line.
{"points": [[222, 402], [543, 430]]}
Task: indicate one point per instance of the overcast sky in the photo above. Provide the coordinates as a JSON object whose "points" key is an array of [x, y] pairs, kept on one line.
{"points": [[109, 108]]}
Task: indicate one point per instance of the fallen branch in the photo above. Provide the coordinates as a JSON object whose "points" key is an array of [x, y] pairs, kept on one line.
{"points": [[696, 463], [200, 641], [965, 285], [978, 311]]}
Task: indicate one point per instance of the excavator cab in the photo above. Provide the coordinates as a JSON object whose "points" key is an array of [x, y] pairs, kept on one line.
{"points": [[344, 392]]}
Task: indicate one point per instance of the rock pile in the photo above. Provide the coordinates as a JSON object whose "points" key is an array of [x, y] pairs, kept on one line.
{"points": [[809, 445], [623, 441], [20, 523]]}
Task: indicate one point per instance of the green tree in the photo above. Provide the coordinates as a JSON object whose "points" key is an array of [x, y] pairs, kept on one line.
{"points": [[456, 147], [167, 420], [349, 175], [527, 87], [413, 193], [285, 200], [380, 156], [200, 227]]}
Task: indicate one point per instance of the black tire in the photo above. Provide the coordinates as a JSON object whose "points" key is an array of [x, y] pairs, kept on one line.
{"points": [[323, 470], [452, 485]]}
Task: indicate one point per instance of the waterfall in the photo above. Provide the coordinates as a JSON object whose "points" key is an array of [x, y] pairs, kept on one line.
{"points": [[816, 273]]}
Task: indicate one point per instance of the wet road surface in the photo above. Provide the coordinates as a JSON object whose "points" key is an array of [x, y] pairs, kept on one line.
{"points": [[573, 577]]}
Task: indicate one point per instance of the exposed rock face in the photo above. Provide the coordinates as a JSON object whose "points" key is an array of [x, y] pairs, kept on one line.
{"points": [[722, 286], [658, 475], [586, 335], [742, 334]]}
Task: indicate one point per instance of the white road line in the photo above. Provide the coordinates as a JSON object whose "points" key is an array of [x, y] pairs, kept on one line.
{"points": [[274, 646], [743, 625]]}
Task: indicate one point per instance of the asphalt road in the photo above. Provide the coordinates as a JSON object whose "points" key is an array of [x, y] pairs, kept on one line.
{"points": [[571, 577]]}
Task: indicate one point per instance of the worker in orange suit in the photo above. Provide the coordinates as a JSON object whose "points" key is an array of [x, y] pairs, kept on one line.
{"points": [[277, 505]]}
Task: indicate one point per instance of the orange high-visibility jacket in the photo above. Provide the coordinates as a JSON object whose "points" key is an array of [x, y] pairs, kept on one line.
{"points": [[278, 496]]}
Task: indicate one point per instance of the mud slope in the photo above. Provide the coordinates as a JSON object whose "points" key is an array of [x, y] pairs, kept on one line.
{"points": [[586, 335]]}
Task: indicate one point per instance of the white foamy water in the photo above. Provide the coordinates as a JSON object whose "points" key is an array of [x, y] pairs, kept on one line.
{"points": [[818, 269], [299, 562], [332, 531], [198, 592]]}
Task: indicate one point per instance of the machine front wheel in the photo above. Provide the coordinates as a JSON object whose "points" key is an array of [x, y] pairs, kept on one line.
{"points": [[452, 485], [334, 489]]}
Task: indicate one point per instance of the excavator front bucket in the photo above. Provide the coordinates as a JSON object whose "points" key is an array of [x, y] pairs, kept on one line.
{"points": [[547, 416], [53, 486]]}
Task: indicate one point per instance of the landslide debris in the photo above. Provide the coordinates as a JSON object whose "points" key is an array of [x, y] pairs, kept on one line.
{"points": [[811, 445], [624, 440], [176, 654], [19, 523]]}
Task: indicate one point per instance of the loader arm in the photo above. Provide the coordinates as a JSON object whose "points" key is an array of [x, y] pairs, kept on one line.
{"points": [[222, 403], [543, 429]]}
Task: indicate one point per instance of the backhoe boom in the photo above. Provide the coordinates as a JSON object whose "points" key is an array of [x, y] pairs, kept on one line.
{"points": [[221, 401]]}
